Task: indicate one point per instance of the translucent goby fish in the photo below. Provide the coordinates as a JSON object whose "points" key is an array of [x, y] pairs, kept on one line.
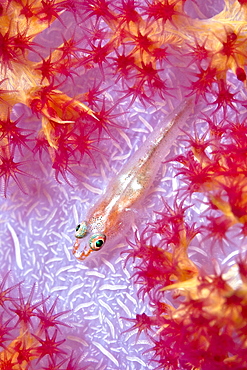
{"points": [[110, 215]]}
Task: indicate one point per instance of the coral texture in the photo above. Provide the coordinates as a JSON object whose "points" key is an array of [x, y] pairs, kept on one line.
{"points": [[82, 84]]}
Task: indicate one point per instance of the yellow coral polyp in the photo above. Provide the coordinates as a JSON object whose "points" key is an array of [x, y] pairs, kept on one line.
{"points": [[215, 34], [11, 355], [221, 307]]}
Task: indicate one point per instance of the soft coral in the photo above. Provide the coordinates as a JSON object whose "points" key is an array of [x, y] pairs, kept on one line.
{"points": [[14, 134], [26, 310], [33, 333], [9, 168], [48, 318], [49, 345]]}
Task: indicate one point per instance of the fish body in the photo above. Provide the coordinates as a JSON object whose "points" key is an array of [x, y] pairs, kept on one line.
{"points": [[108, 217]]}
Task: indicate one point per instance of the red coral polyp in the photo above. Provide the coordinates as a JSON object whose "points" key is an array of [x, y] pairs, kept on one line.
{"points": [[25, 310], [29, 332], [163, 10], [49, 345], [10, 169], [225, 99]]}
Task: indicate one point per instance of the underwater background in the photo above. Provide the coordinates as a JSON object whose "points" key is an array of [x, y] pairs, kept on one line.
{"points": [[83, 83]]}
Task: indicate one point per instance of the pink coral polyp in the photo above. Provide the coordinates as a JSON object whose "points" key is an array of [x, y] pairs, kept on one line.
{"points": [[25, 335]]}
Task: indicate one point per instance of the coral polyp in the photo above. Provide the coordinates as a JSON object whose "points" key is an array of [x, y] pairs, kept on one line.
{"points": [[29, 332]]}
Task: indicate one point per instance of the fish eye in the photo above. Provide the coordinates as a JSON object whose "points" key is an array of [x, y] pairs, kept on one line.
{"points": [[97, 241], [81, 230]]}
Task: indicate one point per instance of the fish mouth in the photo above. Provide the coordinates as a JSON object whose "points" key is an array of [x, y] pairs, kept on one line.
{"points": [[80, 253]]}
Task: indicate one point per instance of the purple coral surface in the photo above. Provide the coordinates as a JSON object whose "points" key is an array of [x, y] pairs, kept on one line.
{"points": [[82, 85]]}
